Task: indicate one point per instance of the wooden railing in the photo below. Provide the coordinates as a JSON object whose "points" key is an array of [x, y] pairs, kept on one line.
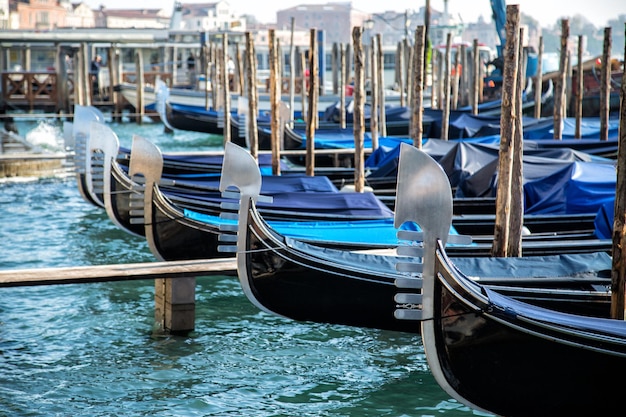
{"points": [[29, 89]]}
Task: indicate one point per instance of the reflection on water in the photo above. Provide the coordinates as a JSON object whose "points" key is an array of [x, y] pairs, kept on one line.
{"points": [[71, 350]]}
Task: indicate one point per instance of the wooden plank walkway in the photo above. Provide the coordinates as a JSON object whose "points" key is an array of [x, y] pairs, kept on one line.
{"points": [[121, 272]]}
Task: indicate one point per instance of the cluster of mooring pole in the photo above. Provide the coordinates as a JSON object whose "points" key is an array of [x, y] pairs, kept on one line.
{"points": [[175, 298]]}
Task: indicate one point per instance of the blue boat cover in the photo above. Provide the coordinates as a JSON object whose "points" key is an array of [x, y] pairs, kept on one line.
{"points": [[270, 184], [328, 203], [373, 233]]}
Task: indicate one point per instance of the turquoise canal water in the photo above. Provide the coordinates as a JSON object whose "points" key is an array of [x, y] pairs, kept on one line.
{"points": [[90, 350]]}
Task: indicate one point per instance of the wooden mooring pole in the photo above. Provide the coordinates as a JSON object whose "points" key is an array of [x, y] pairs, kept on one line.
{"points": [[618, 274], [504, 203]]}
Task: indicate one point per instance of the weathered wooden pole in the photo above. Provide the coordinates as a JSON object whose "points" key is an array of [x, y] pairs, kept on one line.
{"points": [[605, 85], [239, 70], [441, 78], [213, 71], [559, 92], [539, 79], [311, 116], [112, 67], [618, 274], [456, 80], [516, 220], [476, 78], [303, 86], [417, 103], [427, 45], [409, 71], [359, 104], [225, 88], [579, 89], [381, 90], [85, 77], [348, 63], [274, 101], [464, 81], [374, 92], [63, 100], [292, 72], [507, 134], [206, 64], [140, 108], [445, 120], [251, 120], [335, 67], [119, 71], [342, 86], [400, 70]]}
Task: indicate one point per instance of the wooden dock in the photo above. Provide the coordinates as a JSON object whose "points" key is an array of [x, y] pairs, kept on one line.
{"points": [[121, 272], [174, 284]]}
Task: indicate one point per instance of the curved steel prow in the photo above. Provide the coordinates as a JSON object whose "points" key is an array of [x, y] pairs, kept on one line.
{"points": [[146, 161], [103, 146], [162, 95], [81, 128], [240, 170], [423, 195]]}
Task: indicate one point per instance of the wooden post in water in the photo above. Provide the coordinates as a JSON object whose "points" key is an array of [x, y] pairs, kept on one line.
{"points": [[381, 90], [174, 305], [445, 121], [456, 80], [618, 274], [539, 79], [85, 79], [417, 103], [476, 79], [400, 70], [559, 91], [206, 64], [253, 134], [292, 73], [335, 66], [516, 220], [359, 103], [119, 71], [507, 136], [274, 101], [374, 92], [311, 117], [140, 107], [464, 82], [303, 86], [579, 89], [409, 71], [342, 86], [225, 88], [63, 103], [605, 85]]}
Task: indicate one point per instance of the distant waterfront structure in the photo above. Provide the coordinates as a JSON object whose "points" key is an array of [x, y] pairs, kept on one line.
{"points": [[335, 19]]}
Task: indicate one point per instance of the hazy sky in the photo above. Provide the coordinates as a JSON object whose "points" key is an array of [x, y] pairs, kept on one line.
{"points": [[547, 12]]}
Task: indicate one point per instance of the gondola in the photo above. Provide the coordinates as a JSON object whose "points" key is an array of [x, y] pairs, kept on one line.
{"points": [[307, 281], [501, 355]]}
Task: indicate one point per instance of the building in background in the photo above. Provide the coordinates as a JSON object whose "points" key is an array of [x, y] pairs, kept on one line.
{"points": [[335, 19], [204, 17], [132, 18]]}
